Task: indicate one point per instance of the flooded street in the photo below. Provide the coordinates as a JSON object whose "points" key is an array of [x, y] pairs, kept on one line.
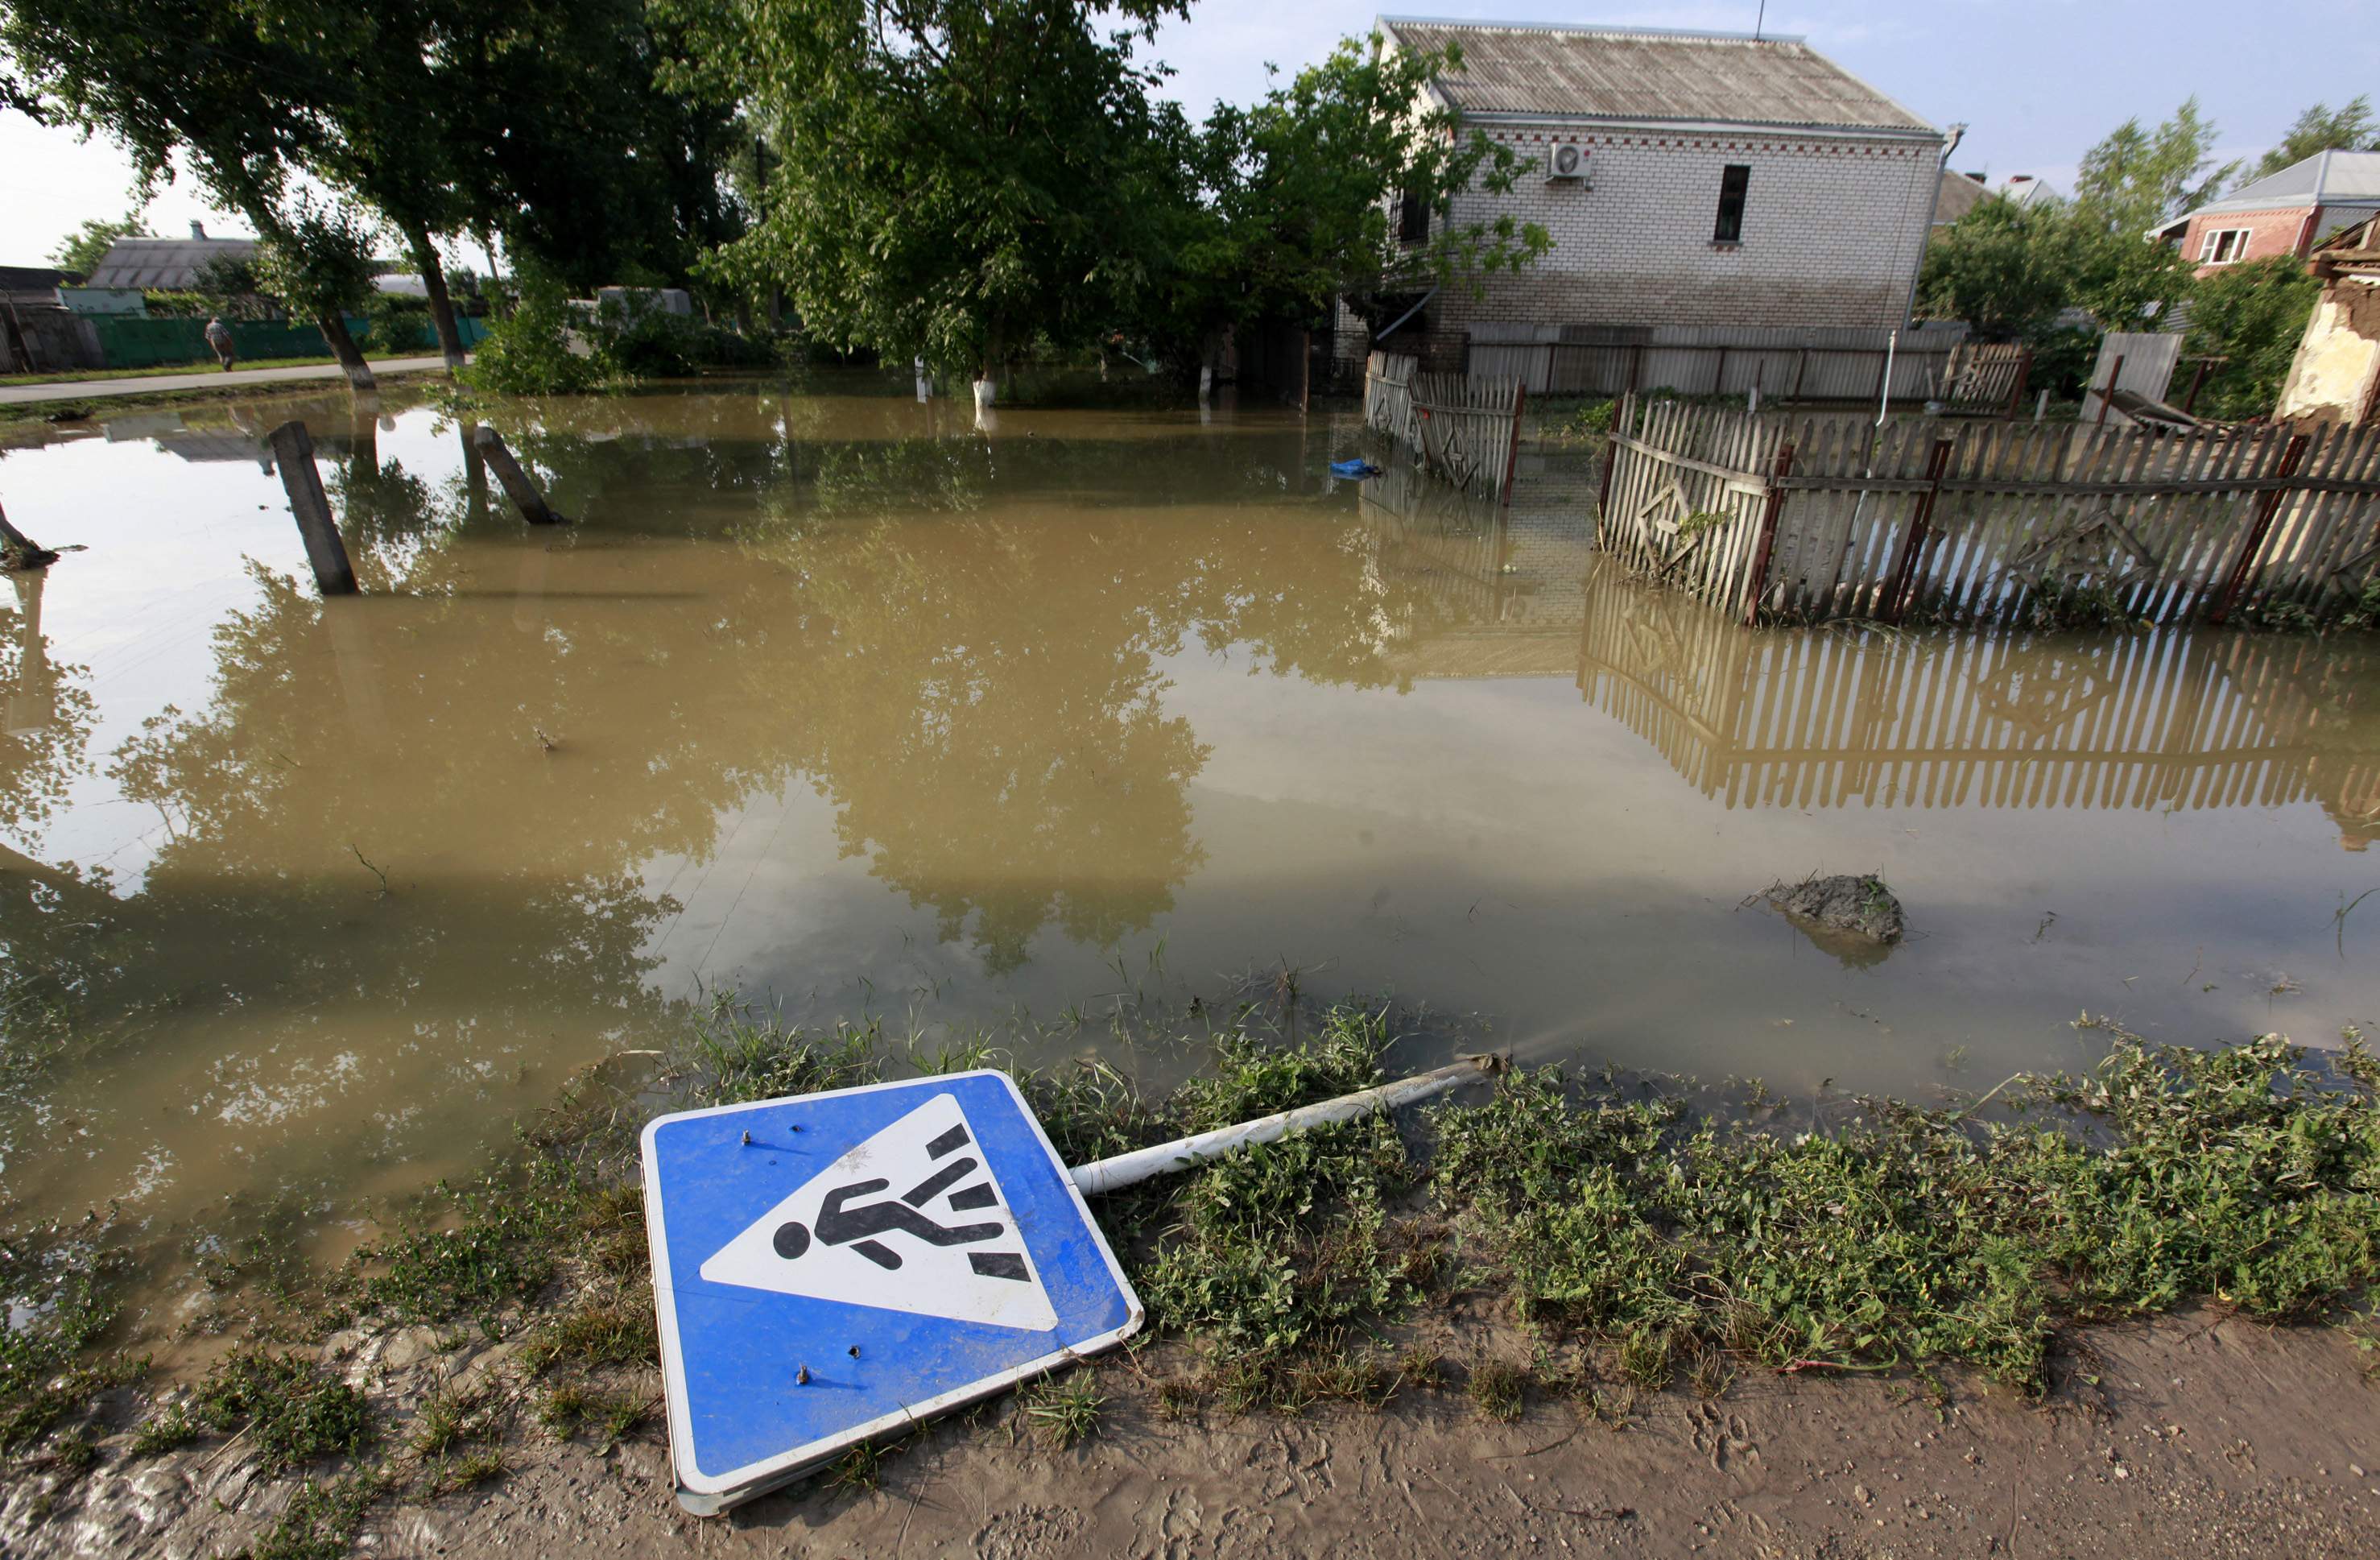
{"points": [[829, 701]]}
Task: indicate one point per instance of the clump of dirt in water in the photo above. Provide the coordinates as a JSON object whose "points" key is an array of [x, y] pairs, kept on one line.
{"points": [[1854, 903]]}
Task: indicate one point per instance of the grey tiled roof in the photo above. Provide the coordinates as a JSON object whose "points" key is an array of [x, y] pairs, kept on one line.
{"points": [[170, 264], [1642, 74], [2330, 178]]}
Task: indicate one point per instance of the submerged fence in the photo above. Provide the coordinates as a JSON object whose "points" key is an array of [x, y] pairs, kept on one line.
{"points": [[1837, 517], [1462, 428]]}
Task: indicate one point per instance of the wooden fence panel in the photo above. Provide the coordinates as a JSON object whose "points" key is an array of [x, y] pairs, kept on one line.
{"points": [[1987, 521]]}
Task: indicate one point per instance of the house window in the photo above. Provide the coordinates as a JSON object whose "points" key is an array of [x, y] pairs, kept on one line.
{"points": [[1412, 218], [1733, 181], [2222, 246]]}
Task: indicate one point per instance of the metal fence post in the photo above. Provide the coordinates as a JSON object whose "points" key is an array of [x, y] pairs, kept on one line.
{"points": [[1904, 578], [1621, 417], [1768, 533], [2268, 505]]}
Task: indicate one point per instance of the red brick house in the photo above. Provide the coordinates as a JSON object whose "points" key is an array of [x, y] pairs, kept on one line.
{"points": [[2284, 213]]}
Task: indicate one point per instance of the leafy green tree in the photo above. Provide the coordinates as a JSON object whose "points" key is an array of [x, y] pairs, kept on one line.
{"points": [[957, 180], [2350, 128], [208, 97], [2253, 316], [1308, 196], [2006, 269], [82, 250], [319, 263], [2136, 178]]}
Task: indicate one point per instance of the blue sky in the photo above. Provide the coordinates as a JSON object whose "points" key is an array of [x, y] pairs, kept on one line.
{"points": [[2035, 80]]}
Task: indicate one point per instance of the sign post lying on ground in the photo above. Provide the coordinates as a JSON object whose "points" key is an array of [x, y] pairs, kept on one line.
{"points": [[833, 1267]]}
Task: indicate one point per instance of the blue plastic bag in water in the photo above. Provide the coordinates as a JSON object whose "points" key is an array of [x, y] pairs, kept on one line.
{"points": [[1359, 467]]}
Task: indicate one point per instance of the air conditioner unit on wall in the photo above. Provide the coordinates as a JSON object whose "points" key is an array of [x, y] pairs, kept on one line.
{"points": [[1565, 162]]}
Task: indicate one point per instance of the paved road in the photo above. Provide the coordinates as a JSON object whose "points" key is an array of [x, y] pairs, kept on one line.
{"points": [[91, 389]]}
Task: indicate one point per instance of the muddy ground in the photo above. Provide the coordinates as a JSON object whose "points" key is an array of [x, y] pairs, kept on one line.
{"points": [[2196, 1433]]}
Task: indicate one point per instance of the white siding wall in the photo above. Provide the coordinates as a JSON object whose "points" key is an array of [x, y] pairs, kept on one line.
{"points": [[1833, 226]]}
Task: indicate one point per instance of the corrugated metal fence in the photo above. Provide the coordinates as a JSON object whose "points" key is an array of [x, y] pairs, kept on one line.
{"points": [[1842, 364], [139, 341], [1812, 519]]}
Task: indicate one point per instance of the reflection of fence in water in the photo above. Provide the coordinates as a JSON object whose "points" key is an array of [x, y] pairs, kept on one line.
{"points": [[1506, 573], [2171, 720]]}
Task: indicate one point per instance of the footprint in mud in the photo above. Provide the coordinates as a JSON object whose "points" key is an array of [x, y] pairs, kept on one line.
{"points": [[1293, 1462], [1026, 1531], [1184, 1534], [1721, 1436]]}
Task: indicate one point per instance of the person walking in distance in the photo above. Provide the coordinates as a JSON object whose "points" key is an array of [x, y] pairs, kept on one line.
{"points": [[219, 338]]}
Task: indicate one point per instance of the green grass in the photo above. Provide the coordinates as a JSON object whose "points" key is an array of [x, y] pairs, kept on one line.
{"points": [[606, 1332], [2172, 1175], [165, 1430], [321, 1519], [1496, 1386], [1061, 1410], [611, 1416], [452, 1475], [292, 1408], [52, 1366]]}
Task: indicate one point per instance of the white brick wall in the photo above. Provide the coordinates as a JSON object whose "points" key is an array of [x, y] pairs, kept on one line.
{"points": [[1833, 226]]}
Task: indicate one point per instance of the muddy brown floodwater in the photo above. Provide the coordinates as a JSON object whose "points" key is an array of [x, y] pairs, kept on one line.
{"points": [[831, 700]]}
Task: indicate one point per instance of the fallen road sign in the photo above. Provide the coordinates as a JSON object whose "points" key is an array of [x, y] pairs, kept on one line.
{"points": [[831, 1267]]}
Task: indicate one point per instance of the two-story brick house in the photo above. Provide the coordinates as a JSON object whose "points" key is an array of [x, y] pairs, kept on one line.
{"points": [[1687, 179], [2283, 214]]}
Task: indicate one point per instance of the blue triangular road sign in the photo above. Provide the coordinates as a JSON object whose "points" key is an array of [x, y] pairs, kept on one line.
{"points": [[833, 1267]]}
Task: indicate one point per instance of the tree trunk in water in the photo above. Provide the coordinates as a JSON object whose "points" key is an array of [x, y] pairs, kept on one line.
{"points": [[441, 306], [343, 347]]}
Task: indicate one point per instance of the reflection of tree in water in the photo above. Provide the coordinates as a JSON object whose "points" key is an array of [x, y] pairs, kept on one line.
{"points": [[989, 698], [46, 714], [962, 643]]}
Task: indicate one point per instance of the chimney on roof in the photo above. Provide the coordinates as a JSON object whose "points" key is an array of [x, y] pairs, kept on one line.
{"points": [[198, 230]]}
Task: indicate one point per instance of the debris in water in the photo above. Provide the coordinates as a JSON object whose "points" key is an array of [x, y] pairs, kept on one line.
{"points": [[1856, 903]]}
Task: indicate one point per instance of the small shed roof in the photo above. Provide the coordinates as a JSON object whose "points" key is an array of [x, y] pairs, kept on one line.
{"points": [[1641, 74], [170, 264], [34, 278]]}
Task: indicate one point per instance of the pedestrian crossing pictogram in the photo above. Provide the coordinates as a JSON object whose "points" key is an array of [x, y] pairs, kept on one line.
{"points": [[911, 1219]]}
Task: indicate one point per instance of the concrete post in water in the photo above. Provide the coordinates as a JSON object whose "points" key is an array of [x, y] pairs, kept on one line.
{"points": [[32, 703], [23, 552], [293, 451], [516, 485]]}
